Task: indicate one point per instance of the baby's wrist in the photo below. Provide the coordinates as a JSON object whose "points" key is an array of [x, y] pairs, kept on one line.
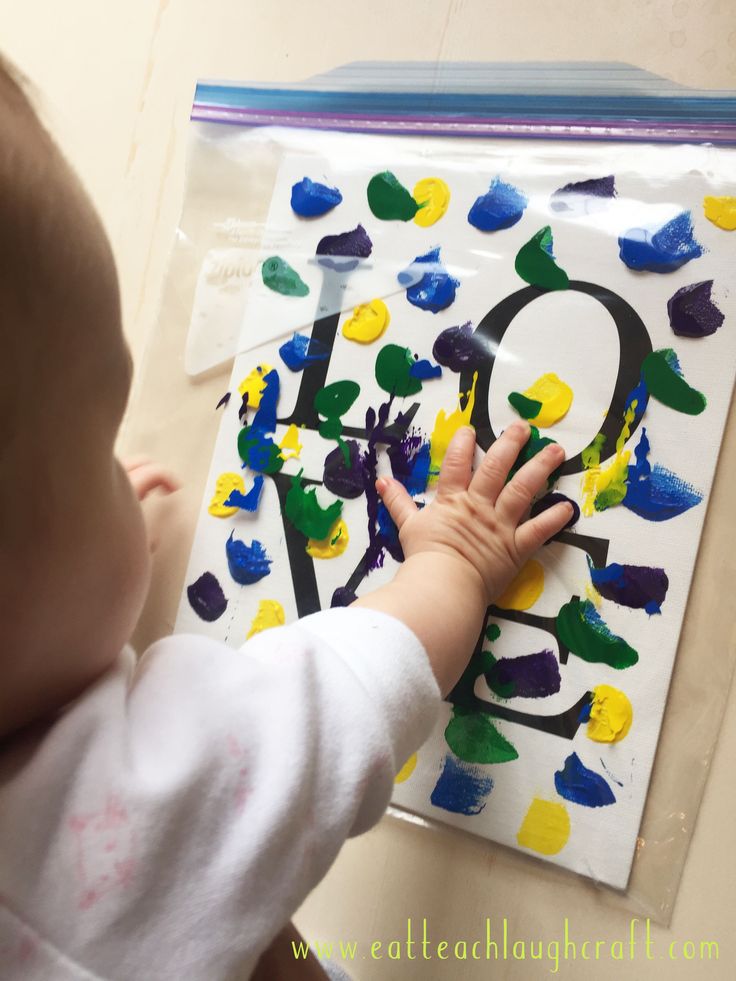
{"points": [[446, 569]]}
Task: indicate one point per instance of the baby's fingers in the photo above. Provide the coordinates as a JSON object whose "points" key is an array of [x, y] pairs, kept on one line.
{"points": [[397, 500], [532, 534], [516, 497], [489, 478]]}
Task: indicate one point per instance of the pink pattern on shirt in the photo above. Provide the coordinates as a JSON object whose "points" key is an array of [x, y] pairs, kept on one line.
{"points": [[105, 850]]}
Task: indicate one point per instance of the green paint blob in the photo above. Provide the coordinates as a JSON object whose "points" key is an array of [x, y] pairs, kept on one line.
{"points": [[527, 408], [278, 275], [493, 632], [304, 511], [536, 265], [334, 400], [258, 451], [581, 629], [612, 495], [388, 199], [660, 372], [535, 444], [591, 455], [473, 738], [393, 365]]}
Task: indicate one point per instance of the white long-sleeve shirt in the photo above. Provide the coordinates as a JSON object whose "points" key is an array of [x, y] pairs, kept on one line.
{"points": [[170, 821]]}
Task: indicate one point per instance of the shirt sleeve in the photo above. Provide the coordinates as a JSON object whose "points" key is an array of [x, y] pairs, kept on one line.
{"points": [[186, 807]]}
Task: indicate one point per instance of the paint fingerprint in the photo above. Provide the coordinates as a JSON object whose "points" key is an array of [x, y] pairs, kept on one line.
{"points": [[461, 789], [280, 277], [525, 589], [305, 512], [206, 597], [256, 448], [247, 563], [584, 197], [344, 477], [445, 427], [424, 370], [332, 545], [474, 738], [545, 828], [656, 493], [410, 462], [249, 501], [225, 484], [534, 675], [721, 211], [460, 349], [342, 252], [310, 199], [500, 207], [609, 715], [549, 500], [389, 200], [535, 263], [301, 351], [433, 197], [662, 375], [576, 783], [428, 284], [368, 322], [586, 634], [394, 366], [545, 402], [406, 770], [640, 587], [660, 250], [270, 614], [692, 311], [535, 444]]}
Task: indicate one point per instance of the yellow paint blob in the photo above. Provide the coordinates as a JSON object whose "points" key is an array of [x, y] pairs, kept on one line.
{"points": [[332, 545], [407, 769], [290, 446], [546, 827], [525, 589], [254, 386], [225, 484], [721, 211], [555, 396], [613, 477], [611, 715], [445, 428], [433, 196], [270, 614], [368, 322]]}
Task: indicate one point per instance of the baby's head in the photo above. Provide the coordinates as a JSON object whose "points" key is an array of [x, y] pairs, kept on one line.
{"points": [[73, 556]]}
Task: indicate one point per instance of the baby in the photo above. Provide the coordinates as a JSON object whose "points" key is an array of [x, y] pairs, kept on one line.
{"points": [[164, 819]]}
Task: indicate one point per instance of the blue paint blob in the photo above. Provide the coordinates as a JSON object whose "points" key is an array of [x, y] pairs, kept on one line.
{"points": [[462, 788], [299, 352], [640, 395], [424, 370], [247, 563], [249, 501], [585, 712], [576, 783], [661, 250], [640, 587], [410, 462], [264, 421], [388, 533], [206, 597], [428, 284], [657, 493], [342, 252], [500, 207], [549, 500], [310, 199]]}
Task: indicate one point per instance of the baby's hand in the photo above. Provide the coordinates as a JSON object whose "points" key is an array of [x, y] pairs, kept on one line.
{"points": [[146, 476]]}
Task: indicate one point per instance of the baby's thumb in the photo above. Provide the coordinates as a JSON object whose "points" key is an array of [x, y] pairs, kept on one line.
{"points": [[396, 498]]}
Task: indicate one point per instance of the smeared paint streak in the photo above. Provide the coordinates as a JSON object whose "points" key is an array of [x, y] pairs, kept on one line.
{"points": [[553, 396], [299, 352], [445, 428], [394, 371], [368, 322], [332, 545], [388, 533], [640, 587], [342, 597], [576, 783], [290, 446], [545, 828], [206, 597], [256, 448], [304, 511], [527, 408], [433, 197], [474, 738], [721, 211], [428, 284], [549, 500], [341, 477], [223, 401], [584, 197], [535, 444], [247, 563], [586, 634], [534, 675], [458, 349], [225, 484], [610, 715], [254, 385], [660, 250], [310, 199], [535, 263], [604, 488], [249, 501], [661, 373], [389, 200], [657, 494], [270, 614], [280, 277], [406, 770], [525, 589], [424, 370], [692, 312], [410, 462], [342, 252], [500, 207], [461, 789]]}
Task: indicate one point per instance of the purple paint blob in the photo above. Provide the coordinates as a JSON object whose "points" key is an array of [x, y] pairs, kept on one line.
{"points": [[346, 479], [584, 197], [640, 587], [576, 783], [692, 312], [310, 199], [549, 500], [660, 250], [223, 401], [299, 352], [342, 597], [342, 252], [206, 597], [460, 349], [462, 788], [500, 207], [428, 284], [529, 676], [410, 461]]}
